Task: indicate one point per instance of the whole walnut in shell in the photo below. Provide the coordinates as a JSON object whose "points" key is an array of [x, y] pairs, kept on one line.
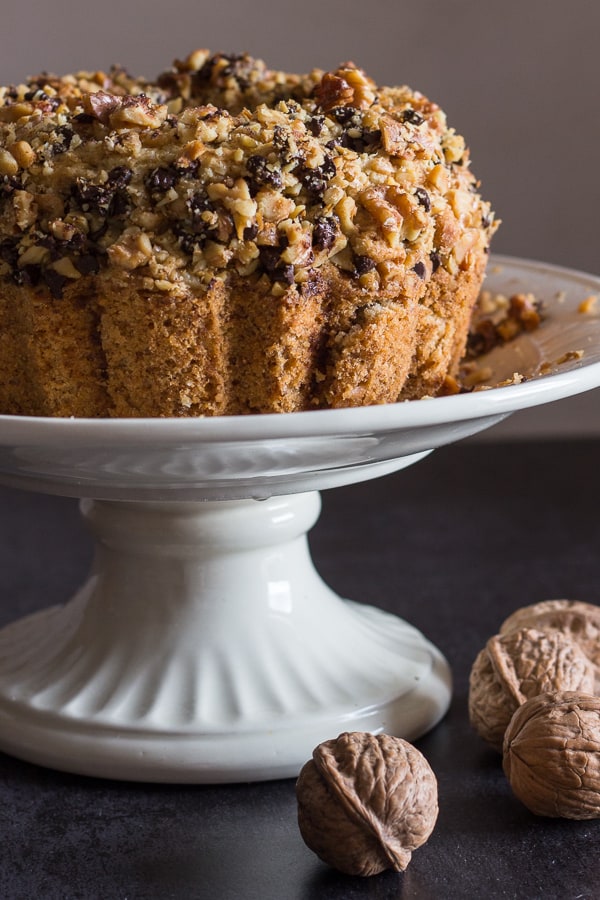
{"points": [[552, 755], [579, 621], [365, 802], [518, 665]]}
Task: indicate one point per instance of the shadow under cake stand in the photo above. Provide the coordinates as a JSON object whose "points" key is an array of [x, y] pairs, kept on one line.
{"points": [[204, 647]]}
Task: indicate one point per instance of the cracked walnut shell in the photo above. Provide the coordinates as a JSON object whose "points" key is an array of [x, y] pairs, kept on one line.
{"points": [[552, 755], [365, 802], [579, 621], [513, 667]]}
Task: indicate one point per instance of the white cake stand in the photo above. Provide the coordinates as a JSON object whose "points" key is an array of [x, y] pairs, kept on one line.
{"points": [[204, 647]]}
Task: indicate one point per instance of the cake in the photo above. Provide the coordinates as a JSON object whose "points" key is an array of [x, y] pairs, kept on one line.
{"points": [[230, 239]]}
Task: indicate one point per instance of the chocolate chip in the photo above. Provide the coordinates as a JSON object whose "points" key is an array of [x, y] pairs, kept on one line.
{"points": [[8, 185], [419, 269], [161, 180], [315, 180], [315, 125], [270, 258], [346, 114], [250, 232], [87, 264], [362, 265], [435, 261], [9, 252], [120, 176], [95, 198], [261, 174], [423, 198], [30, 275], [55, 281], [281, 139], [65, 135], [412, 116], [199, 204], [325, 232]]}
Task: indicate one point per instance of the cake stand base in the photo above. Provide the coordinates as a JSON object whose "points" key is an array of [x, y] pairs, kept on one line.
{"points": [[205, 648]]}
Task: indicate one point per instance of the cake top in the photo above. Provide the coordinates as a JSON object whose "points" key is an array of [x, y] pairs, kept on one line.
{"points": [[224, 165]]}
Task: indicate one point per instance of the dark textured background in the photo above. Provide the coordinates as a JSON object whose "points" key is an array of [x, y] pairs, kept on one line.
{"points": [[453, 544]]}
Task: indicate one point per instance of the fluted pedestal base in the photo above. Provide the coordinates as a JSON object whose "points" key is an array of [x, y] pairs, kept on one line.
{"points": [[205, 647]]}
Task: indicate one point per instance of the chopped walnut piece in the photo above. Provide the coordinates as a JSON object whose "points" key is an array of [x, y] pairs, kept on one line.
{"points": [[333, 91]]}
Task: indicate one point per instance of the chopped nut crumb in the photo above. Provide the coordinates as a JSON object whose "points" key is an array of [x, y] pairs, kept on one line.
{"points": [[588, 306]]}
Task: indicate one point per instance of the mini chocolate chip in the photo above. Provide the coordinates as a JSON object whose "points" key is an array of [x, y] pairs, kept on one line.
{"points": [[423, 198], [30, 275], [65, 134], [346, 114], [362, 265], [9, 252], [9, 184], [92, 197], [435, 261], [261, 174], [35, 94], [315, 180], [315, 125], [84, 119], [120, 176], [55, 281], [419, 269], [250, 232], [161, 180], [87, 264], [412, 116], [325, 232], [199, 204], [486, 220], [280, 138], [270, 258]]}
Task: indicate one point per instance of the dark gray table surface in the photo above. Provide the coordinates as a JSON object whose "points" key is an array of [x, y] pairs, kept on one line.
{"points": [[453, 544]]}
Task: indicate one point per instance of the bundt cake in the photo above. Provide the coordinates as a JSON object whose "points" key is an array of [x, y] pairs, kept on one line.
{"points": [[229, 240]]}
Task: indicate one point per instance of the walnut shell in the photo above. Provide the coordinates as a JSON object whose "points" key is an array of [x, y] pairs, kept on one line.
{"points": [[552, 755], [579, 621], [515, 666], [365, 802]]}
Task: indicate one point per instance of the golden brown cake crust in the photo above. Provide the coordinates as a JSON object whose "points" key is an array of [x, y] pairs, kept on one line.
{"points": [[230, 239]]}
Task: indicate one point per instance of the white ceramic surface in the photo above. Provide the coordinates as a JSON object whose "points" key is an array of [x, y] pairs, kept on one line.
{"points": [[204, 647]]}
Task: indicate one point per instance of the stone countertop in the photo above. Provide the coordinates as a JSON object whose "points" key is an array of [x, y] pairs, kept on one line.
{"points": [[453, 545]]}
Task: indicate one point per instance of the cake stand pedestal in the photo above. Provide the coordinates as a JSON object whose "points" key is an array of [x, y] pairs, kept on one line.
{"points": [[204, 647]]}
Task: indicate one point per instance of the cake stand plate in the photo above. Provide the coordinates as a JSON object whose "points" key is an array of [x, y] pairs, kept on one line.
{"points": [[204, 647]]}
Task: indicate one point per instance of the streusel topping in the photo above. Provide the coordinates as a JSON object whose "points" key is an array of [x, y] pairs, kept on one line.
{"points": [[222, 165]]}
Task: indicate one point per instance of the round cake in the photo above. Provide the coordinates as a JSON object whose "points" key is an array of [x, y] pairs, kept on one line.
{"points": [[230, 239]]}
